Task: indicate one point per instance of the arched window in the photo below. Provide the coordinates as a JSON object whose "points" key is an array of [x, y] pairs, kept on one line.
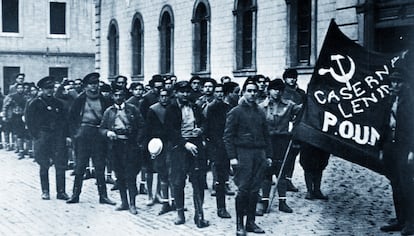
{"points": [[245, 35], [166, 29], [201, 38], [137, 35], [113, 49]]}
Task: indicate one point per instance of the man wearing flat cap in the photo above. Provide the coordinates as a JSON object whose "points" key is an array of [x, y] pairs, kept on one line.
{"points": [[85, 116], [47, 124], [398, 149], [279, 112], [184, 131]]}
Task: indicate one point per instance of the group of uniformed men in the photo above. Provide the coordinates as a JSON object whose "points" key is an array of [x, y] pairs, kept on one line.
{"points": [[201, 124]]}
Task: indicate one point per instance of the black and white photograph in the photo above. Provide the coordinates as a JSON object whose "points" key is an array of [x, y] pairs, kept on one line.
{"points": [[207, 117]]}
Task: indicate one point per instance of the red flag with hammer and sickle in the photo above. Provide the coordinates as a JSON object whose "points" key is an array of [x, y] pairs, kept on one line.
{"points": [[346, 111]]}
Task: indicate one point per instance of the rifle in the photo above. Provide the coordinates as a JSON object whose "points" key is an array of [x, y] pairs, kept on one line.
{"points": [[279, 175]]}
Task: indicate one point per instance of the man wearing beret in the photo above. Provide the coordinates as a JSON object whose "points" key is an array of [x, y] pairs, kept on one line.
{"points": [[279, 112], [398, 149], [247, 142], [85, 116], [183, 128], [47, 123]]}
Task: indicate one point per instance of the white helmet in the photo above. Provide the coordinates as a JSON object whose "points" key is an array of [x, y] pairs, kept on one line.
{"points": [[155, 147]]}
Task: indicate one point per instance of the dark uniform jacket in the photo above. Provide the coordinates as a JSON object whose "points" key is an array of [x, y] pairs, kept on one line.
{"points": [[135, 127], [46, 114], [246, 127], [156, 122]]}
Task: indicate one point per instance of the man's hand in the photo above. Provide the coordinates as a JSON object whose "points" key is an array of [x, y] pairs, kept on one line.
{"points": [[234, 162], [269, 161], [410, 158], [111, 135], [191, 148], [68, 141]]}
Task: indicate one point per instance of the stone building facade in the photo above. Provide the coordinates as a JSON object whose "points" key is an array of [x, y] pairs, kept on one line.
{"points": [[212, 38], [45, 37]]}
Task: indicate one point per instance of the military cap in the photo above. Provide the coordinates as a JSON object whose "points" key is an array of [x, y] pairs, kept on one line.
{"points": [[229, 87], [196, 77], [46, 82], [249, 80], [91, 78], [105, 88], [290, 73], [276, 84], [182, 86]]}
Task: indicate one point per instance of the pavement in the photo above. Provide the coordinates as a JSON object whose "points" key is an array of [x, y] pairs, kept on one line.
{"points": [[360, 201]]}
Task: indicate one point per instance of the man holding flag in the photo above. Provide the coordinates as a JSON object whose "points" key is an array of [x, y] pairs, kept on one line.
{"points": [[347, 113]]}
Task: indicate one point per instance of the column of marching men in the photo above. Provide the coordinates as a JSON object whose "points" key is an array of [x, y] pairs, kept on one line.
{"points": [[99, 129]]}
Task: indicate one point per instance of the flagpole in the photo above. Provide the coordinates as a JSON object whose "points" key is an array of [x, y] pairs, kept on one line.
{"points": [[279, 175]]}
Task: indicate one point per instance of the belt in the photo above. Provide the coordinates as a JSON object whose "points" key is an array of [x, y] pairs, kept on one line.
{"points": [[90, 125]]}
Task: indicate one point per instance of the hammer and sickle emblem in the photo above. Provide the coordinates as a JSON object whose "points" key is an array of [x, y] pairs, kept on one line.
{"points": [[343, 77]]}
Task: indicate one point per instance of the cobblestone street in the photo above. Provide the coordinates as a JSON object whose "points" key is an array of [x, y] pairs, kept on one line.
{"points": [[359, 203]]}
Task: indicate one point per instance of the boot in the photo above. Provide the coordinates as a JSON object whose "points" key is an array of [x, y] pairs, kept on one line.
{"points": [[284, 207], [61, 185], [45, 195], [240, 204], [180, 217], [198, 208], [309, 185], [251, 215], [165, 208], [44, 182], [317, 194], [164, 198], [291, 187], [75, 195], [240, 226], [124, 201], [132, 207], [103, 197], [222, 213]]}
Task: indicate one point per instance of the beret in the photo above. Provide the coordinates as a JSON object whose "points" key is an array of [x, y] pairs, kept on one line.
{"points": [[156, 78], [290, 73], [46, 82], [182, 85], [249, 80], [211, 80], [276, 84], [91, 78]]}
